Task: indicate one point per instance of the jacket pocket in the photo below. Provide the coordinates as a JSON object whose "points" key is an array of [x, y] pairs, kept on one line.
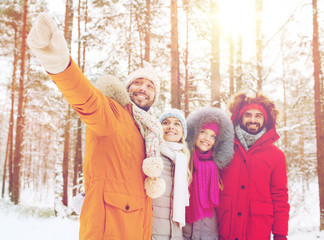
{"points": [[260, 220], [124, 216], [224, 216], [261, 208]]}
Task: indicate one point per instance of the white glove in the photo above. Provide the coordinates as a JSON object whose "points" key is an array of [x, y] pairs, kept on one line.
{"points": [[48, 44]]}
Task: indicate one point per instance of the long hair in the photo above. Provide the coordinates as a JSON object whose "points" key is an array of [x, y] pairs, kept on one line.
{"points": [[186, 152]]}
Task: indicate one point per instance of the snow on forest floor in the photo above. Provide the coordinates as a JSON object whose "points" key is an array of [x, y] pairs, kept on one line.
{"points": [[29, 222]]}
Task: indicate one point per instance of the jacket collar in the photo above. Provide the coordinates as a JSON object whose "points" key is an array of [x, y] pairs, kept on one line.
{"points": [[268, 138]]}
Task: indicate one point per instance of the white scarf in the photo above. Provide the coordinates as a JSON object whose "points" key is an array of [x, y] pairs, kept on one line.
{"points": [[173, 151]]}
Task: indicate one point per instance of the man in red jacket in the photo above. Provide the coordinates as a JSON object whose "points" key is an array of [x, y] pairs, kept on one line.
{"points": [[254, 201]]}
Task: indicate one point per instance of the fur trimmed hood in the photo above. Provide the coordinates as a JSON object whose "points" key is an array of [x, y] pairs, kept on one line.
{"points": [[224, 145], [113, 88], [246, 97]]}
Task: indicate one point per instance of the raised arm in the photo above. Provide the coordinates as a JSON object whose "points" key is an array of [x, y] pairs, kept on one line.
{"points": [[49, 46]]}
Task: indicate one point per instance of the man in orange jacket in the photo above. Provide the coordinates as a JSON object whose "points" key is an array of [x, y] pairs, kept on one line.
{"points": [[120, 134]]}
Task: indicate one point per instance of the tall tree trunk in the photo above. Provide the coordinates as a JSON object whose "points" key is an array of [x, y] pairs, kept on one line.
{"points": [[15, 195], [148, 31], [78, 146], [84, 42], [239, 71], [9, 151], [129, 39], [318, 112], [175, 71], [215, 55], [285, 112], [140, 35], [284, 101], [186, 90], [259, 47], [78, 159], [46, 155], [65, 165], [231, 64], [4, 176], [68, 23]]}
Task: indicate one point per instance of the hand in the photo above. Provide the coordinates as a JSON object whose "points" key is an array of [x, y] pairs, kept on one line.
{"points": [[48, 44], [279, 237]]}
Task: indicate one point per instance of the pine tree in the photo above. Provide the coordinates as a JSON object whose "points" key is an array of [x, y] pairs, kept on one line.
{"points": [[15, 196]]}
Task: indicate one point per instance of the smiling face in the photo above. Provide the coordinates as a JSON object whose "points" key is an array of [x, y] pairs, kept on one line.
{"points": [[252, 121], [205, 140], [172, 129], [142, 93]]}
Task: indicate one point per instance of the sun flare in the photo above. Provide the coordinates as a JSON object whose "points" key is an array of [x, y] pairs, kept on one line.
{"points": [[236, 16]]}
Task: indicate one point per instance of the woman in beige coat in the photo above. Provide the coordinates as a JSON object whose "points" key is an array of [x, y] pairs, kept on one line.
{"points": [[169, 209]]}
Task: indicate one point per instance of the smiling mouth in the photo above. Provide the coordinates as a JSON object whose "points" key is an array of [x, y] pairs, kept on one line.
{"points": [[205, 144], [253, 125], [170, 133], [141, 95]]}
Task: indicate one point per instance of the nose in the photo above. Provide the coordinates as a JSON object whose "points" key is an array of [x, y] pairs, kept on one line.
{"points": [[143, 88], [253, 118], [207, 138]]}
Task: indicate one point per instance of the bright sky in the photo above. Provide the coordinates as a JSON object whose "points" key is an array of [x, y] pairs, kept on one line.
{"points": [[236, 16]]}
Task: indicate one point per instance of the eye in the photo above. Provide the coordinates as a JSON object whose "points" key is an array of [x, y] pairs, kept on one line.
{"points": [[165, 123], [150, 86], [177, 124], [214, 136], [137, 82]]}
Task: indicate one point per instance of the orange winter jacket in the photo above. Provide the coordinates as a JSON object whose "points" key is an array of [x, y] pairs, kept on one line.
{"points": [[116, 205]]}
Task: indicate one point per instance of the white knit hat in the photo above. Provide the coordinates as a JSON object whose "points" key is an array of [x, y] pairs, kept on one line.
{"points": [[147, 72]]}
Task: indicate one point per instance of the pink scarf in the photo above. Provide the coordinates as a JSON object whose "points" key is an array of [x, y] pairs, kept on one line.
{"points": [[204, 189]]}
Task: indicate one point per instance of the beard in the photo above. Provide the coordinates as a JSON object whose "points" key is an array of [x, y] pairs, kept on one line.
{"points": [[255, 129], [144, 105]]}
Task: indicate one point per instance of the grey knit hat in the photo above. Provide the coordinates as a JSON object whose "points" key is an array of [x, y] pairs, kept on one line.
{"points": [[173, 112]]}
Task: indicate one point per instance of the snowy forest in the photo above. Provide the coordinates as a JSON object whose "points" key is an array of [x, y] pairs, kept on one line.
{"points": [[203, 51]]}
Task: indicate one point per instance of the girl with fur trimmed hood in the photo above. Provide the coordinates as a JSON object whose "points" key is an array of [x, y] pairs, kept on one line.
{"points": [[169, 209], [210, 141]]}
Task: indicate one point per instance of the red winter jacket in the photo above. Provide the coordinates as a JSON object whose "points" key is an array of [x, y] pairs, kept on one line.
{"points": [[254, 200]]}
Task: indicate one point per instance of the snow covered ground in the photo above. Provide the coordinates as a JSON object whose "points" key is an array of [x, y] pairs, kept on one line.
{"points": [[38, 223], [18, 223], [17, 226]]}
